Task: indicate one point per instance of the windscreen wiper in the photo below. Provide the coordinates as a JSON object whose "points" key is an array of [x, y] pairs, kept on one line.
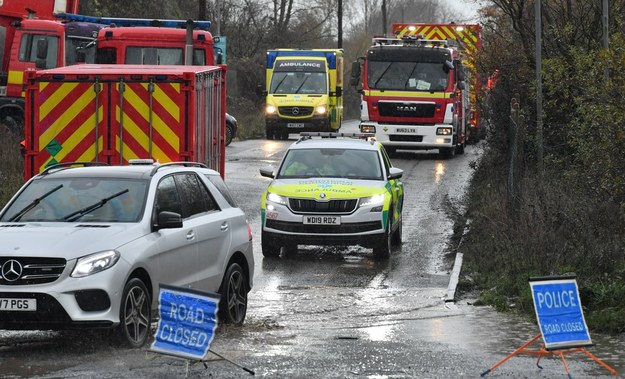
{"points": [[375, 85], [279, 84], [301, 85], [81, 212], [20, 214]]}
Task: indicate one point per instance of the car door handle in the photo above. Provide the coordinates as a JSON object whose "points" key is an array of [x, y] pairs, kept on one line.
{"points": [[224, 226], [191, 235]]}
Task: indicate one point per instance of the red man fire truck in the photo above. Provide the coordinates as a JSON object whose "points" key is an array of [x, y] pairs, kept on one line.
{"points": [[418, 88]]}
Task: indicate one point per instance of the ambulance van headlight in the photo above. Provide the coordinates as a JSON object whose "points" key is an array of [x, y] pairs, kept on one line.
{"points": [[270, 109]]}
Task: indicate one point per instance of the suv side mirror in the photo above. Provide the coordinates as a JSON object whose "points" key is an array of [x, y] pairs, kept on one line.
{"points": [[169, 220]]}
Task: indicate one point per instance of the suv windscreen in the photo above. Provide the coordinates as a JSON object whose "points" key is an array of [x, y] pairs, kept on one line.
{"points": [[85, 199]]}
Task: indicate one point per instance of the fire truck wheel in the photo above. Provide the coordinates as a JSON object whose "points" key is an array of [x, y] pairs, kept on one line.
{"points": [[448, 152], [460, 148]]}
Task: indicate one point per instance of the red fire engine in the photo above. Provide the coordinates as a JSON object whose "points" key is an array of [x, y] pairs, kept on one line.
{"points": [[416, 87]]}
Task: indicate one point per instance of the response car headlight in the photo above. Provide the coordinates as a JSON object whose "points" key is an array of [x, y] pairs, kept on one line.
{"points": [[372, 201], [275, 198], [270, 109], [321, 109], [95, 263]]}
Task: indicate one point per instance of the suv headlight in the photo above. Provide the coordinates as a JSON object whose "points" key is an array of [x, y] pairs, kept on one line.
{"points": [[275, 198], [375, 201], [95, 263]]}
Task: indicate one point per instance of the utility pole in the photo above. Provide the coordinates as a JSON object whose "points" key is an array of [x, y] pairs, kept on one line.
{"points": [[606, 37], [384, 17], [340, 31], [539, 88]]}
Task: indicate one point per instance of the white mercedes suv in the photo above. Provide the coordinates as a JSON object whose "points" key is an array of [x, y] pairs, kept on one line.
{"points": [[88, 246]]}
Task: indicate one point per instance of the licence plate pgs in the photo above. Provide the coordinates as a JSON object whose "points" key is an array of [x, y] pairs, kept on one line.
{"points": [[18, 304], [322, 220]]}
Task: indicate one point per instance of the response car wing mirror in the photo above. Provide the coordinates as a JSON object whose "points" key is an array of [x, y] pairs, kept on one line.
{"points": [[267, 172]]}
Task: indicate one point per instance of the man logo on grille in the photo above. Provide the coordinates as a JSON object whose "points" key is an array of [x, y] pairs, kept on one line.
{"points": [[11, 270]]}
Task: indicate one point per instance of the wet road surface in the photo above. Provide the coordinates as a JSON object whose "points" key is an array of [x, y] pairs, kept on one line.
{"points": [[326, 312]]}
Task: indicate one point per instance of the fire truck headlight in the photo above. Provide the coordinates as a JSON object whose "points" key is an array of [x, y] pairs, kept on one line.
{"points": [[321, 109], [270, 109], [367, 129], [443, 131]]}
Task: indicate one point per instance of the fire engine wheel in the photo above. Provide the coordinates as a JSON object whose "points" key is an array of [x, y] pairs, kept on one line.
{"points": [[448, 152], [460, 148]]}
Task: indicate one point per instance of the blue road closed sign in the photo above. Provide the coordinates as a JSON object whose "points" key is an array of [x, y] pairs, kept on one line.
{"points": [[559, 312], [187, 322]]}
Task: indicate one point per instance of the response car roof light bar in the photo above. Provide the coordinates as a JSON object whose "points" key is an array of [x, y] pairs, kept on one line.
{"points": [[133, 21]]}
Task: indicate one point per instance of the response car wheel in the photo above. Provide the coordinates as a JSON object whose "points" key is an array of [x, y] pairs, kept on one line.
{"points": [[135, 314], [269, 246], [233, 303], [383, 250], [396, 238]]}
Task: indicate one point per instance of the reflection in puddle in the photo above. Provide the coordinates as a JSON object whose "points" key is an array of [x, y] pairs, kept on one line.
{"points": [[380, 333], [439, 171]]}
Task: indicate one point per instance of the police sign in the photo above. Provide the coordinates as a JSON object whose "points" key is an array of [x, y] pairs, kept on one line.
{"points": [[187, 322], [559, 312]]}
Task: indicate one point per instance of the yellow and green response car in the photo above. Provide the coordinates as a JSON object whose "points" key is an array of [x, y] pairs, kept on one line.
{"points": [[332, 189]]}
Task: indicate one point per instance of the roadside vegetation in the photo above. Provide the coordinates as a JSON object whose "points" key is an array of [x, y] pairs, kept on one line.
{"points": [[566, 215]]}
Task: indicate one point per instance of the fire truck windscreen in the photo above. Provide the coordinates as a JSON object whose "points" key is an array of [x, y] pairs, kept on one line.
{"points": [[415, 69], [417, 76]]}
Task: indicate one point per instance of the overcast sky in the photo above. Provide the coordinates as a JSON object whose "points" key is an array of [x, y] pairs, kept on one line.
{"points": [[466, 7]]}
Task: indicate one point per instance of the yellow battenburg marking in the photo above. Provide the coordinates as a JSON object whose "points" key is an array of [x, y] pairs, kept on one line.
{"points": [[15, 77], [66, 118], [89, 154], [81, 133], [161, 97], [157, 123], [140, 136], [59, 95]]}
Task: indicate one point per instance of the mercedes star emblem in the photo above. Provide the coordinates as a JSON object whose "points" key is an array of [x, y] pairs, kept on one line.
{"points": [[295, 111], [11, 270]]}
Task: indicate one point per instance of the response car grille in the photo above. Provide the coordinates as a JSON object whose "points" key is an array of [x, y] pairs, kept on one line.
{"points": [[298, 227], [295, 111], [23, 271], [344, 206], [398, 109]]}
